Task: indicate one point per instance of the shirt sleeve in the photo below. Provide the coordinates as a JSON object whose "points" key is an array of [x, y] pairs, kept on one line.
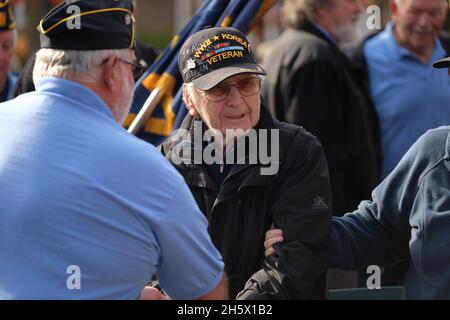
{"points": [[190, 266]]}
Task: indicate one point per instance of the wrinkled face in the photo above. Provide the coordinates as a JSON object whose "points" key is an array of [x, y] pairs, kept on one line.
{"points": [[342, 16], [6, 54], [418, 22], [232, 104]]}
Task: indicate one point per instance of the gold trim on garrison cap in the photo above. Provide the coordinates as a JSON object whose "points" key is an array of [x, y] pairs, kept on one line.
{"points": [[211, 55], [6, 16], [89, 25]]}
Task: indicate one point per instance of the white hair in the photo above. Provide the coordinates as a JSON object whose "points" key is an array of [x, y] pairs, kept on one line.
{"points": [[72, 64]]}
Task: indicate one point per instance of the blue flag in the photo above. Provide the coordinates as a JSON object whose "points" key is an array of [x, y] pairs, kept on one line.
{"points": [[164, 75]]}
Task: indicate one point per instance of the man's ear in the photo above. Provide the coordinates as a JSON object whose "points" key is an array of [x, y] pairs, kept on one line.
{"points": [[188, 101], [393, 8], [110, 73]]}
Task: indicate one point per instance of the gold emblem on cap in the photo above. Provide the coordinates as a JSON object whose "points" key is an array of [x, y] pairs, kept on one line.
{"points": [[190, 64], [128, 19]]}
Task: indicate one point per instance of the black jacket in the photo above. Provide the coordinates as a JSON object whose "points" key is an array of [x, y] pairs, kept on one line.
{"points": [[311, 83], [297, 199]]}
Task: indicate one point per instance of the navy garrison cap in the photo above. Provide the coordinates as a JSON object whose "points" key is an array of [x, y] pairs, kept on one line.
{"points": [[89, 25], [211, 55], [6, 16]]}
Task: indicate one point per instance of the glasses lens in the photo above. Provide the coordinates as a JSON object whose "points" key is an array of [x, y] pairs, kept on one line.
{"points": [[218, 93], [249, 86]]}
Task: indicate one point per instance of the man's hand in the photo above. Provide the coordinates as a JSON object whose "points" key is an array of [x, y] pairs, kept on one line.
{"points": [[150, 293], [272, 236]]}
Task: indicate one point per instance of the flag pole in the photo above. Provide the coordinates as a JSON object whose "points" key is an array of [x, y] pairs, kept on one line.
{"points": [[146, 110]]}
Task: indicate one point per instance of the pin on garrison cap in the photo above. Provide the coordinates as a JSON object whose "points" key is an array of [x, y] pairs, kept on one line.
{"points": [[6, 16], [443, 63], [89, 25], [211, 55]]}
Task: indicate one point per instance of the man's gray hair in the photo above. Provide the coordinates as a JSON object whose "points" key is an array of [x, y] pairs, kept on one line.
{"points": [[296, 12], [72, 64]]}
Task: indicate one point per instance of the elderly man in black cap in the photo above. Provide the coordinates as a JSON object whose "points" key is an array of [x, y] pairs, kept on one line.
{"points": [[89, 211], [248, 171], [8, 35]]}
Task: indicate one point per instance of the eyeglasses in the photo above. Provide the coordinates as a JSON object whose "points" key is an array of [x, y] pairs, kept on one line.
{"points": [[247, 87], [136, 68]]}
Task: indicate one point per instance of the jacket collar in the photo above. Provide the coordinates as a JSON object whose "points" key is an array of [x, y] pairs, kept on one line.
{"points": [[197, 174], [310, 27]]}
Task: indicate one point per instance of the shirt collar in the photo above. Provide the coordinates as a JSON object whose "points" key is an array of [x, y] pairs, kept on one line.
{"points": [[75, 91], [401, 52]]}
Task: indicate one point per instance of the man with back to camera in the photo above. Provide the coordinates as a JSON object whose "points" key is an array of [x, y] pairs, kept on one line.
{"points": [[89, 211]]}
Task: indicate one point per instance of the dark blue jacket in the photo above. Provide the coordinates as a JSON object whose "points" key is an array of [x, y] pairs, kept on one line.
{"points": [[408, 218]]}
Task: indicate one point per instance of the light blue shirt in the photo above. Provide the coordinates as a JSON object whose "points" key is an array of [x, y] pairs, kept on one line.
{"points": [[78, 190], [410, 97]]}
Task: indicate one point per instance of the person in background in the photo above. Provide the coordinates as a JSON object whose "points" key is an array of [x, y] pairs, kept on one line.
{"points": [[311, 83], [409, 96], [407, 219]]}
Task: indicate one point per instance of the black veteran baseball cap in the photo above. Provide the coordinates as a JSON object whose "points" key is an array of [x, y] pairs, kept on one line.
{"points": [[443, 63], [211, 55], [6, 16], [89, 25]]}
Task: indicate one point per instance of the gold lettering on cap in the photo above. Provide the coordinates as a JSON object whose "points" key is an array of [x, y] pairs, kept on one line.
{"points": [[225, 55], [228, 36]]}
